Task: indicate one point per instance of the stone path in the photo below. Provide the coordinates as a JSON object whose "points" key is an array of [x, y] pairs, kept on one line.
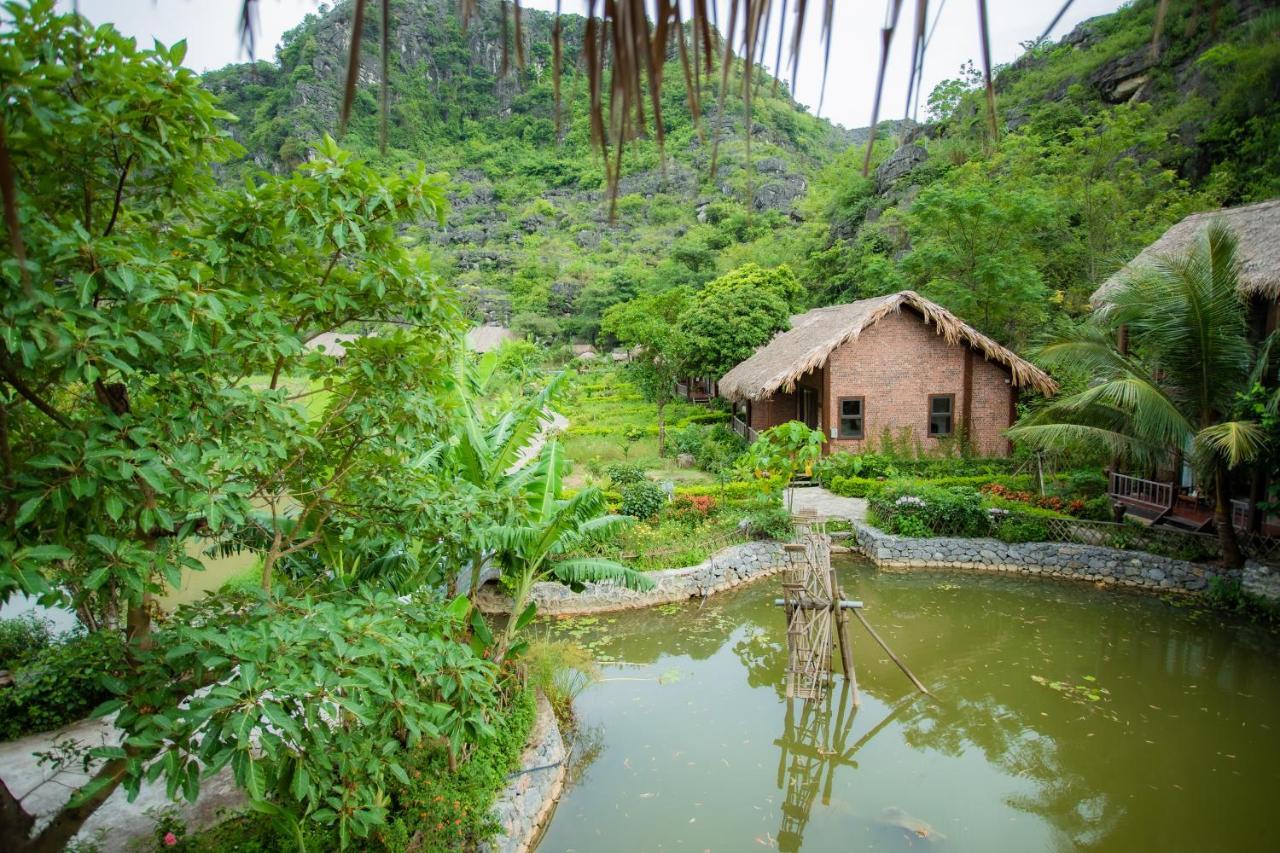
{"points": [[118, 825], [823, 502]]}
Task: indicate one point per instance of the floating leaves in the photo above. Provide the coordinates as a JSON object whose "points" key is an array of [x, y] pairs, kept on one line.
{"points": [[1089, 693]]}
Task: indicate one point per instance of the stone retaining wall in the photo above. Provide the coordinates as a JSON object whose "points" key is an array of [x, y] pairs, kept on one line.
{"points": [[1262, 581], [527, 802], [1055, 559], [734, 565]]}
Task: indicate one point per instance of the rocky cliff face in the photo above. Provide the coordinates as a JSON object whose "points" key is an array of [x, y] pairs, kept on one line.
{"points": [[523, 198]]}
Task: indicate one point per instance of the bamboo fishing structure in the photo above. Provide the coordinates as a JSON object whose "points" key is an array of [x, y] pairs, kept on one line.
{"points": [[817, 614]]}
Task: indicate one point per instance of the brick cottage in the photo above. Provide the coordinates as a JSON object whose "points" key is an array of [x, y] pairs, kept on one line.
{"points": [[895, 365]]}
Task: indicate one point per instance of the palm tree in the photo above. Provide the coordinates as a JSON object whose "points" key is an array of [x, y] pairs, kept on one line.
{"points": [[532, 548], [1180, 387]]}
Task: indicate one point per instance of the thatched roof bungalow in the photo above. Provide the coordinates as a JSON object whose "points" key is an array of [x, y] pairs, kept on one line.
{"points": [[1257, 229], [897, 365]]}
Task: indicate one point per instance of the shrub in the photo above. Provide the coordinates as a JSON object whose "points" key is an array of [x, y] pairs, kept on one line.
{"points": [[942, 511], [688, 439], [691, 510], [712, 447], [23, 636], [642, 500], [1095, 509], [1084, 483], [735, 491], [910, 525], [771, 522], [873, 466], [623, 474], [854, 487], [1017, 527], [60, 684]]}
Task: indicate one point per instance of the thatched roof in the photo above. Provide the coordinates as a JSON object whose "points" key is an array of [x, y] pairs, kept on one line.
{"points": [[485, 338], [1257, 228], [816, 334]]}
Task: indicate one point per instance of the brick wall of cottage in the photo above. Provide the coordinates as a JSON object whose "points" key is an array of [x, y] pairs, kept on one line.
{"points": [[895, 366], [778, 409]]}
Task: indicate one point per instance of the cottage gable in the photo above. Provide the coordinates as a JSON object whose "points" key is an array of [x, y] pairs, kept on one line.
{"points": [[896, 365]]}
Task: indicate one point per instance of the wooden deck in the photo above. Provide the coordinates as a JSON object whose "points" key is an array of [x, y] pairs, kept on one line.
{"points": [[1162, 502]]}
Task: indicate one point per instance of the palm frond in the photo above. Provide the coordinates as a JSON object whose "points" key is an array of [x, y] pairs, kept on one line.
{"points": [[582, 570], [1235, 441], [1070, 436]]}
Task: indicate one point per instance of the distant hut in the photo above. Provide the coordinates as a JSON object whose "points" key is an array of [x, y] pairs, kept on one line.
{"points": [[489, 337], [889, 365], [1257, 229], [1170, 494]]}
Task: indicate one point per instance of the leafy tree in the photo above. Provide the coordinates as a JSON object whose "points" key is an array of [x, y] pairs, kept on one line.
{"points": [[652, 323], [947, 96], [156, 391], [1191, 364], [782, 451], [975, 250], [314, 736], [736, 314]]}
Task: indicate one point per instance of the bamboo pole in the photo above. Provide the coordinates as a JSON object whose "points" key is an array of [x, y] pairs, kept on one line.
{"points": [[902, 666]]}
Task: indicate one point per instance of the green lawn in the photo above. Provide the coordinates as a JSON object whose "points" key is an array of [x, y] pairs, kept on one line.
{"points": [[603, 407]]}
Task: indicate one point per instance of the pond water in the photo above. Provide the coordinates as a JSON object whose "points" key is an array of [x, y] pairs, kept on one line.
{"points": [[1065, 717]]}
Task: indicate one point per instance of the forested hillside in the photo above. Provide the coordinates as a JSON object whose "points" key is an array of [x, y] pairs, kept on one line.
{"points": [[1101, 144], [529, 237]]}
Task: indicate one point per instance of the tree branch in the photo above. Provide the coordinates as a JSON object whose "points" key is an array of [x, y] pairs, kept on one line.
{"points": [[30, 396], [115, 208], [10, 198]]}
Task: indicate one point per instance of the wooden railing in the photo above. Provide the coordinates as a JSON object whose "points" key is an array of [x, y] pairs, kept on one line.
{"points": [[1149, 493], [740, 427], [682, 389]]}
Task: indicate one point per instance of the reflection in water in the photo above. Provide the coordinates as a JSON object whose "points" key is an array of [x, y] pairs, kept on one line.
{"points": [[811, 747], [1064, 718]]}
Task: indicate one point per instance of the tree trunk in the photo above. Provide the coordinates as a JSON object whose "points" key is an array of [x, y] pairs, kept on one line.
{"points": [[138, 625], [662, 431], [15, 823], [1232, 558]]}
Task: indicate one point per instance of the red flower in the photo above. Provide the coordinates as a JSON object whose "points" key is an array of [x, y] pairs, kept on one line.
{"points": [[170, 839]]}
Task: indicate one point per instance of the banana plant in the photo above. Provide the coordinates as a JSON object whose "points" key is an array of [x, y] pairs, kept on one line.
{"points": [[532, 548], [497, 458]]}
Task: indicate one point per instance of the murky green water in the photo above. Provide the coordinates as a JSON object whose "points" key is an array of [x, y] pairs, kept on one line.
{"points": [[689, 745]]}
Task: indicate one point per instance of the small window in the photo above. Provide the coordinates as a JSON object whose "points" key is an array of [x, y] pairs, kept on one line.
{"points": [[851, 417], [941, 407]]}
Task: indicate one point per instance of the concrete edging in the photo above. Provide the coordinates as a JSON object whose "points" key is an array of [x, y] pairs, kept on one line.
{"points": [[1092, 563], [728, 568], [526, 803]]}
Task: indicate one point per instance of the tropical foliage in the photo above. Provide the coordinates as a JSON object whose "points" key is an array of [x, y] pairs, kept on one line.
{"points": [[1177, 390]]}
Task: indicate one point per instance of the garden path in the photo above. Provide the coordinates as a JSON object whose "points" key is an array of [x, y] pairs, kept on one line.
{"points": [[823, 502], [118, 825]]}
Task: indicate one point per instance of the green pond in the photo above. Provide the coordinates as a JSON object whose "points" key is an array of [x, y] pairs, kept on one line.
{"points": [[1065, 717]]}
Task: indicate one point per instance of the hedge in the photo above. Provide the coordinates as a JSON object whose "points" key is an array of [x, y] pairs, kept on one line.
{"points": [[865, 487]]}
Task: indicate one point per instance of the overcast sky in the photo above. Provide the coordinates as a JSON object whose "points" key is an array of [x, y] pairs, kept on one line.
{"points": [[211, 30]]}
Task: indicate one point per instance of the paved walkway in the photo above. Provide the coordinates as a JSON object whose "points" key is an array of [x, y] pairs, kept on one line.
{"points": [[823, 502], [118, 825]]}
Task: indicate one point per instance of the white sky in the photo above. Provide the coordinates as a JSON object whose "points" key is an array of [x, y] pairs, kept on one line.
{"points": [[211, 26]]}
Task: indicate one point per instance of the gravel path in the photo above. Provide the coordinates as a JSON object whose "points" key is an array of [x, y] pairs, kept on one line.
{"points": [[823, 502]]}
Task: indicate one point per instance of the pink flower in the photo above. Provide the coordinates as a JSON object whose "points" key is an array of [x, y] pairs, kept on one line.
{"points": [[170, 839]]}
